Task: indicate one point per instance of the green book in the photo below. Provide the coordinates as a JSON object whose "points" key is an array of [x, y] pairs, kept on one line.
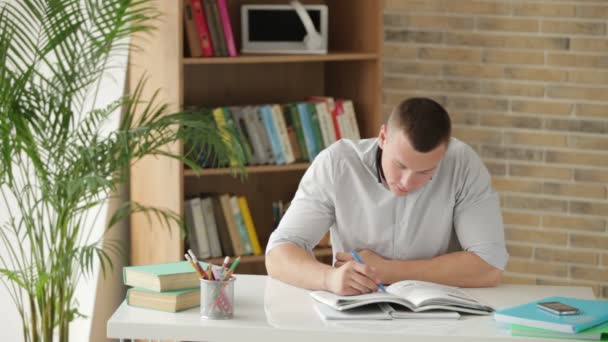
{"points": [[316, 127], [162, 277], [292, 113], [172, 301], [597, 333]]}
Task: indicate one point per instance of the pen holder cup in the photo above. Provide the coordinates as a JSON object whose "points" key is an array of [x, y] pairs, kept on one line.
{"points": [[217, 299]]}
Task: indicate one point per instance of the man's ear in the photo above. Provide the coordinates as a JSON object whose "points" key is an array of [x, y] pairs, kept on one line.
{"points": [[382, 136]]}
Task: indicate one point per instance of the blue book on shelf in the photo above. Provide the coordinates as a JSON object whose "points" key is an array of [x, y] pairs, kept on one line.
{"points": [[309, 138], [275, 143], [592, 313]]}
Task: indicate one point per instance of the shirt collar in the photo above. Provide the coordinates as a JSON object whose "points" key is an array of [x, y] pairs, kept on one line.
{"points": [[378, 164]]}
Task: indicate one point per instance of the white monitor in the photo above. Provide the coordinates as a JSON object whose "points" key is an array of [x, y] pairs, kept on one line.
{"points": [[280, 29]]}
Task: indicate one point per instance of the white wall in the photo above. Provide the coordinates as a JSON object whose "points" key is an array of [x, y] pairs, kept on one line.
{"points": [[112, 87]]}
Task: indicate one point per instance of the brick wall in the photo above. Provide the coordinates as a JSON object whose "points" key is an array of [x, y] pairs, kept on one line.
{"points": [[526, 84]]}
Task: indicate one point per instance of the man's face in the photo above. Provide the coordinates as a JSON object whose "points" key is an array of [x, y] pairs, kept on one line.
{"points": [[405, 169]]}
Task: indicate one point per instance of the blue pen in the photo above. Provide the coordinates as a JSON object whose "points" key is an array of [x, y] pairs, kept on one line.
{"points": [[359, 260]]}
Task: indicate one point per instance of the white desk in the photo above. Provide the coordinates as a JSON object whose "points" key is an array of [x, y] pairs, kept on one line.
{"points": [[270, 311]]}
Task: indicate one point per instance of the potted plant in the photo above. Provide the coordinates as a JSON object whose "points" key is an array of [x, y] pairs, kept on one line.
{"points": [[56, 161]]}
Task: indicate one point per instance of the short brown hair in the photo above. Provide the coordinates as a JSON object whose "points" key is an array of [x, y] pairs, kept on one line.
{"points": [[423, 121]]}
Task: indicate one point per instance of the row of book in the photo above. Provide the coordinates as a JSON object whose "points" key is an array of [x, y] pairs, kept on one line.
{"points": [[286, 133], [220, 225], [208, 28]]}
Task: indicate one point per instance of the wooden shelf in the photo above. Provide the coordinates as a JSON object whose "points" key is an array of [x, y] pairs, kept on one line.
{"points": [[249, 259], [248, 169], [255, 58]]}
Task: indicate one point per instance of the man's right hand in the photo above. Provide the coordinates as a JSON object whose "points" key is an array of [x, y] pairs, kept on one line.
{"points": [[352, 278]]}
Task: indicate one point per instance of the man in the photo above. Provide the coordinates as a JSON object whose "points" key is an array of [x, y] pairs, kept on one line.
{"points": [[397, 200]]}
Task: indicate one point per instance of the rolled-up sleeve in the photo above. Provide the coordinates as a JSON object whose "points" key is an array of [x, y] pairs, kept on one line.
{"points": [[312, 209], [477, 216]]}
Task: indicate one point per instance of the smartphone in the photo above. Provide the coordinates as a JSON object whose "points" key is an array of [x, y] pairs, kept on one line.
{"points": [[558, 308]]}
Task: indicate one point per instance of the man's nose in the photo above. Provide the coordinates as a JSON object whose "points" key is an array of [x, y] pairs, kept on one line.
{"points": [[406, 178]]}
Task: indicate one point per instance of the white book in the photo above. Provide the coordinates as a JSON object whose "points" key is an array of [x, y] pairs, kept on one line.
{"points": [[200, 229], [279, 122], [416, 296], [259, 152], [349, 110], [211, 224], [254, 111], [327, 126], [190, 227]]}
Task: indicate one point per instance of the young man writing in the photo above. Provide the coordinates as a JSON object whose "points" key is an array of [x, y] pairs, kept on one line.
{"points": [[397, 200]]}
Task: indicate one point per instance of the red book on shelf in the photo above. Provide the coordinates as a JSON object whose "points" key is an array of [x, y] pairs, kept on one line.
{"points": [[201, 26], [225, 18]]}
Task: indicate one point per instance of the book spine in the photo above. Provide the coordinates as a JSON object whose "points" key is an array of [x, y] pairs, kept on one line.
{"points": [[277, 115], [190, 227], [237, 245], [200, 229], [253, 236], [266, 112], [213, 36], [293, 113], [239, 139], [291, 133], [202, 26], [227, 27], [316, 127], [215, 14], [327, 129], [240, 224], [307, 128], [349, 109], [222, 226], [259, 151], [194, 43], [220, 120], [211, 224], [263, 134], [335, 115], [245, 137]]}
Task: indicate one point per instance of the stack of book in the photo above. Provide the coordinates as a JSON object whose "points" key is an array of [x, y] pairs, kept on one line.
{"points": [[168, 287], [590, 323], [220, 225], [208, 28], [286, 133]]}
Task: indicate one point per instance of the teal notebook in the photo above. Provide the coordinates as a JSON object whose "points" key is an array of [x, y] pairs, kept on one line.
{"points": [[592, 313], [597, 333], [162, 277]]}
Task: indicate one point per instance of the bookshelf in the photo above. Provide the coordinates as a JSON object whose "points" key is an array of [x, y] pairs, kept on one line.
{"points": [[352, 69]]}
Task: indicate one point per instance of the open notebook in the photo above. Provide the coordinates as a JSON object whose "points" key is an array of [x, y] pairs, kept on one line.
{"points": [[404, 296]]}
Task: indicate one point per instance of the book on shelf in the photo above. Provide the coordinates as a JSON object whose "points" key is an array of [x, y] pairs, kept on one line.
{"points": [[233, 230], [279, 123], [253, 236], [592, 313], [240, 226], [194, 43], [273, 134], [227, 27], [596, 333], [382, 311], [171, 301], [212, 230], [222, 226], [415, 296], [202, 28], [161, 277], [200, 229]]}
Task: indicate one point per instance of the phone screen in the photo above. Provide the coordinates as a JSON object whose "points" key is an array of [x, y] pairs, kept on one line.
{"points": [[558, 308]]}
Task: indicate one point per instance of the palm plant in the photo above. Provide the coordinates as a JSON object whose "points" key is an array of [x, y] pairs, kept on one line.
{"points": [[57, 164]]}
